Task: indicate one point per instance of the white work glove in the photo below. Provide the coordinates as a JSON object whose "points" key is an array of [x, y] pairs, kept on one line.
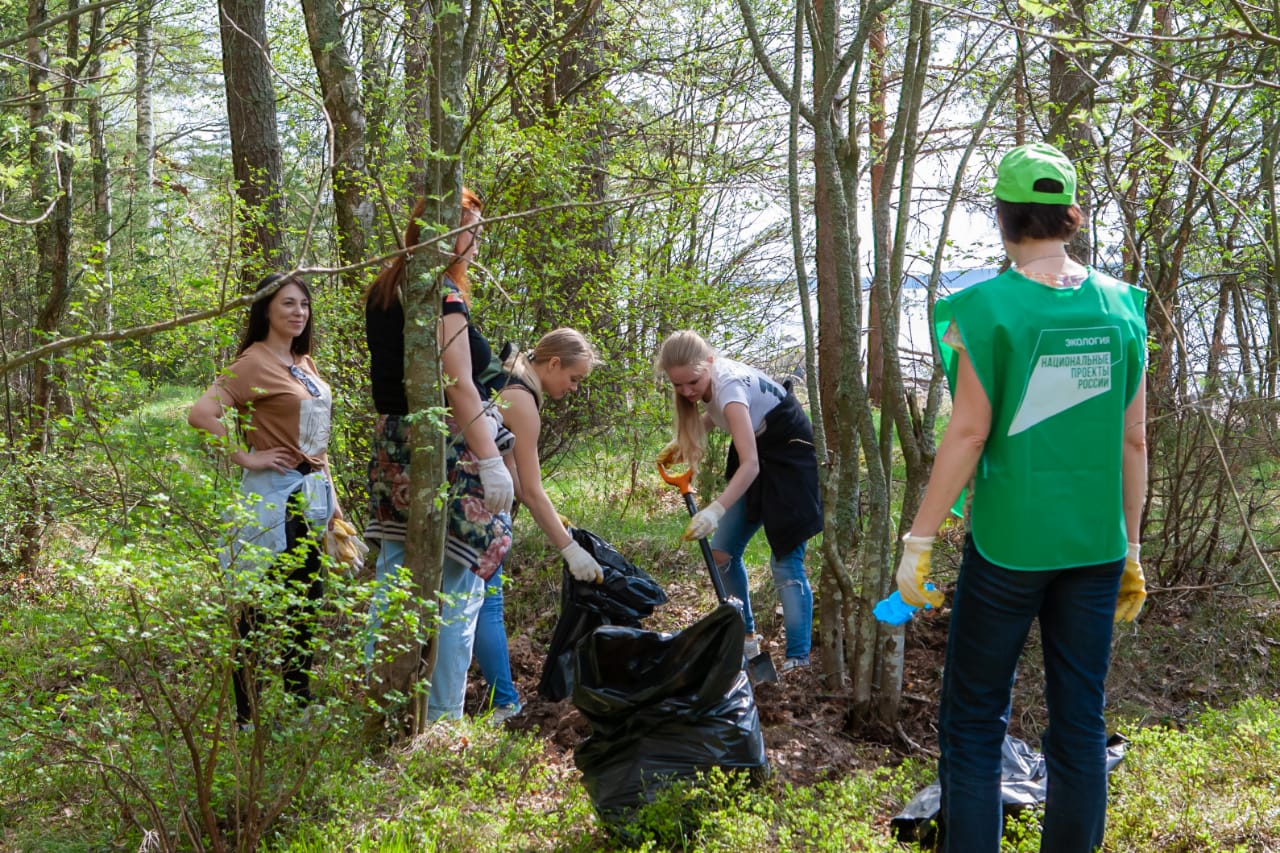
{"points": [[582, 565], [499, 491], [913, 572], [705, 522]]}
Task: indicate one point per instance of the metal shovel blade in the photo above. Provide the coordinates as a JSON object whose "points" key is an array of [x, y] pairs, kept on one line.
{"points": [[760, 669]]}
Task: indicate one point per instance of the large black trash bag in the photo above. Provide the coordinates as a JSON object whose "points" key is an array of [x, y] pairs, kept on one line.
{"points": [[1024, 778], [625, 596], [664, 708]]}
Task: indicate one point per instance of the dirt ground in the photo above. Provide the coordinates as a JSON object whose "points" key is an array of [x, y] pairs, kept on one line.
{"points": [[810, 733], [808, 730]]}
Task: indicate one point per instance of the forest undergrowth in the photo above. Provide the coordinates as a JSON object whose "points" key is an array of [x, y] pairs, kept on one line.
{"points": [[116, 734]]}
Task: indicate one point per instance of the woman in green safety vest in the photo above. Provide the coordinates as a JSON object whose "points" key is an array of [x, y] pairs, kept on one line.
{"points": [[1045, 364]]}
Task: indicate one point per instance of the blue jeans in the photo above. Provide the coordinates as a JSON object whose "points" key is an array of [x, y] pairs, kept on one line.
{"points": [[731, 539], [390, 559], [991, 613], [461, 595], [491, 645]]}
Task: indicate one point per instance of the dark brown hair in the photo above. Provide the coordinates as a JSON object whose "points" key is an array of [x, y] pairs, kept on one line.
{"points": [[385, 289], [1034, 221], [259, 321]]}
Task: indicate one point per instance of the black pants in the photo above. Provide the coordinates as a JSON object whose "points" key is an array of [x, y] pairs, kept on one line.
{"points": [[299, 622]]}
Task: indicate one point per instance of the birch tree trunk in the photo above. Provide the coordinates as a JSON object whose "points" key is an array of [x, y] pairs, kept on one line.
{"points": [[144, 137]]}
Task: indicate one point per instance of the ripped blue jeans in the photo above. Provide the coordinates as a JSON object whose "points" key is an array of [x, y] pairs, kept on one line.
{"points": [[730, 541]]}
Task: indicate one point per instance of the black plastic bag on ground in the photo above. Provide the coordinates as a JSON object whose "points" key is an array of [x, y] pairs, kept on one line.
{"points": [[625, 596], [1024, 778], [662, 709]]}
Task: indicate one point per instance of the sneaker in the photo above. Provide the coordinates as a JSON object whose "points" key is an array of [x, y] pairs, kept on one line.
{"points": [[502, 713], [793, 663], [751, 646]]}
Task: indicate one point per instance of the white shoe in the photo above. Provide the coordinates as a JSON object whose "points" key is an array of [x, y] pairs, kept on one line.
{"points": [[751, 646]]}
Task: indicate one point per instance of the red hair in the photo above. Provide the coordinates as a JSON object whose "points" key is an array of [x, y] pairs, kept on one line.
{"points": [[385, 288]]}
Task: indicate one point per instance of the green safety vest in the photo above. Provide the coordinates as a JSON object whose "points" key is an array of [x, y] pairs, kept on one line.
{"points": [[1059, 366]]}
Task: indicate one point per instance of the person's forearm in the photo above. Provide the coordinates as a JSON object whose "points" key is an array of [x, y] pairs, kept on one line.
{"points": [[953, 467], [1134, 473], [545, 516], [739, 482], [468, 411]]}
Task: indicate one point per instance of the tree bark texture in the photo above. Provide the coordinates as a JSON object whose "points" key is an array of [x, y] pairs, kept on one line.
{"points": [[255, 140], [340, 84]]}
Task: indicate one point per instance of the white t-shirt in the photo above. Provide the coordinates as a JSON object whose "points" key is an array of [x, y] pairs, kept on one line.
{"points": [[734, 382]]}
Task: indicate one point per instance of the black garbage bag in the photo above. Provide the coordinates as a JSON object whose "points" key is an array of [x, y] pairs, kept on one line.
{"points": [[625, 596], [662, 709], [1024, 778]]}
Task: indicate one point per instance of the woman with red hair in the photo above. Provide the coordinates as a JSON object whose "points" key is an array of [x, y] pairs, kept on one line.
{"points": [[481, 487]]}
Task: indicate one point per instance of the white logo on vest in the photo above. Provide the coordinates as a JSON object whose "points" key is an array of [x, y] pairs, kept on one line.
{"points": [[1069, 367]]}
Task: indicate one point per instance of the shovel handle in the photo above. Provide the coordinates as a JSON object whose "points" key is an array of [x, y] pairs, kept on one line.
{"points": [[716, 580], [682, 482]]}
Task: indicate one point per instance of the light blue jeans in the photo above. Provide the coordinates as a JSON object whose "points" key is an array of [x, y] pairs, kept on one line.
{"points": [[730, 543], [491, 645], [462, 593], [390, 559], [461, 596]]}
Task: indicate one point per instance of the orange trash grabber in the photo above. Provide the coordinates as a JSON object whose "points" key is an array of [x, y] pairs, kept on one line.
{"points": [[759, 668]]}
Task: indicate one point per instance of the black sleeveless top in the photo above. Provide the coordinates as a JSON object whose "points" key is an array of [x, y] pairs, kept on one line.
{"points": [[384, 334]]}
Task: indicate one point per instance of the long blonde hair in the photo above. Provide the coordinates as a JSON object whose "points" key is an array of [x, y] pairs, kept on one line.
{"points": [[569, 345], [687, 349]]}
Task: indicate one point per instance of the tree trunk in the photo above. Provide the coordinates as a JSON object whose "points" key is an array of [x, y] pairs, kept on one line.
{"points": [[894, 411], [100, 252], [52, 161], [255, 142], [553, 55], [1071, 92], [448, 56], [144, 137], [878, 141], [340, 84]]}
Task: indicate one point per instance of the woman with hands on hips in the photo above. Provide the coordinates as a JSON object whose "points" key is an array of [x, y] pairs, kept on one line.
{"points": [[274, 386], [1045, 363], [772, 474]]}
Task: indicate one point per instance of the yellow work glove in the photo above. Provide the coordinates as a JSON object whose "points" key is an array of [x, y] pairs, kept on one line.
{"points": [[705, 522], [670, 454], [564, 519], [342, 544], [913, 572], [1133, 587]]}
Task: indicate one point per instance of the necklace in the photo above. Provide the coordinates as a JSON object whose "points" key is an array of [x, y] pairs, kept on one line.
{"points": [[1022, 264]]}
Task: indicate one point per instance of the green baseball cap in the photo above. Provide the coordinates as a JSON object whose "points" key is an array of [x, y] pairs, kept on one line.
{"points": [[1023, 166]]}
